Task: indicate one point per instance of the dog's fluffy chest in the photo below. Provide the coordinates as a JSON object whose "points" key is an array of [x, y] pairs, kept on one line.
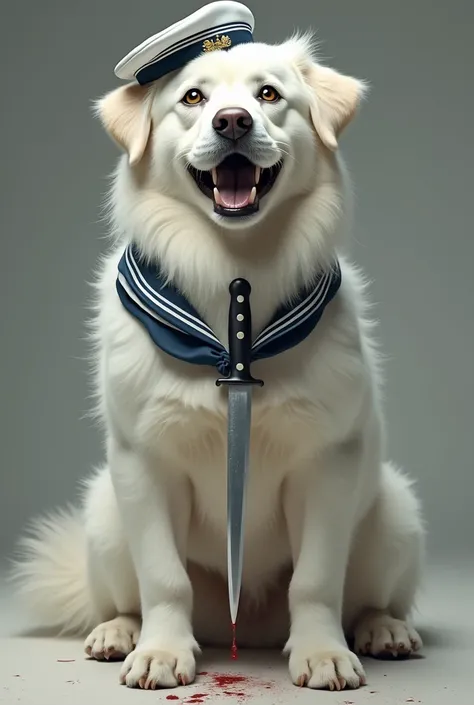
{"points": [[169, 408]]}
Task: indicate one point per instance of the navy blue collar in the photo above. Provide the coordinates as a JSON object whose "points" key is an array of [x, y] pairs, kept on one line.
{"points": [[176, 327]]}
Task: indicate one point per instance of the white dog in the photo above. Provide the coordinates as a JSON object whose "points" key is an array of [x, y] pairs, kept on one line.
{"points": [[333, 535]]}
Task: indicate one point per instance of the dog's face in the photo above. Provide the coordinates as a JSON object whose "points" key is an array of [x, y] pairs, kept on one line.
{"points": [[234, 133]]}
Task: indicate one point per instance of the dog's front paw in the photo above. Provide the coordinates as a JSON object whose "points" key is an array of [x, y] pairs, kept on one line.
{"points": [[150, 668], [330, 669]]}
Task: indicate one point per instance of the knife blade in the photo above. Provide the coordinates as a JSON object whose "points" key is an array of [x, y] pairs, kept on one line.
{"points": [[240, 385]]}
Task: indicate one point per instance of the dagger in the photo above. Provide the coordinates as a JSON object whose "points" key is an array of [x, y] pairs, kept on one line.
{"points": [[240, 385]]}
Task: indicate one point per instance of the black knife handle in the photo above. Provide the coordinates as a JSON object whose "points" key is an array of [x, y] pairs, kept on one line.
{"points": [[240, 335]]}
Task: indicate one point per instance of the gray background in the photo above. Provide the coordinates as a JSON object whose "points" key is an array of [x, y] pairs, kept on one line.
{"points": [[410, 153]]}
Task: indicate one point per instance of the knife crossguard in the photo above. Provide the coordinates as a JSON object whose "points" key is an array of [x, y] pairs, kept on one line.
{"points": [[240, 335]]}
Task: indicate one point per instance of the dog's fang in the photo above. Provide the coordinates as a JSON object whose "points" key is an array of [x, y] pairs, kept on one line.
{"points": [[217, 197], [253, 195], [214, 176], [258, 172]]}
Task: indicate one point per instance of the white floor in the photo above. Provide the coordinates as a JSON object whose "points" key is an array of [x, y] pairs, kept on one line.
{"points": [[46, 671]]}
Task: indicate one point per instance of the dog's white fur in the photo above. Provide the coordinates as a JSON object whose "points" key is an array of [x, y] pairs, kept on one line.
{"points": [[327, 517]]}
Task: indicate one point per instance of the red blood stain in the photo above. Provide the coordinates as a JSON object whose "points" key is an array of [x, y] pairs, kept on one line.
{"points": [[199, 695], [233, 650], [223, 680], [228, 684], [172, 697]]}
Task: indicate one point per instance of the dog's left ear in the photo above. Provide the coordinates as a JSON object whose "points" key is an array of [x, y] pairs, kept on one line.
{"points": [[336, 98], [126, 115]]}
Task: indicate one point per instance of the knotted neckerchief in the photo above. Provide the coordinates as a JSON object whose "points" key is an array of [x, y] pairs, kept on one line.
{"points": [[175, 326]]}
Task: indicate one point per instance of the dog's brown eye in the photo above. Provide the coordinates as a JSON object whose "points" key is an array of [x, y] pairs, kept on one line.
{"points": [[193, 97], [269, 94]]}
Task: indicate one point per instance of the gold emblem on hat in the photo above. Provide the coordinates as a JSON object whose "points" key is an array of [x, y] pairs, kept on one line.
{"points": [[220, 42]]}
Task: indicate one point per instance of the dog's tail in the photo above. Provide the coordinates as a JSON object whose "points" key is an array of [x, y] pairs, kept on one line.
{"points": [[51, 572]]}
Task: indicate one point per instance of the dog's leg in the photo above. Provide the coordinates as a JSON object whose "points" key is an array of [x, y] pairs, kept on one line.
{"points": [[155, 515], [385, 571], [112, 583], [320, 506]]}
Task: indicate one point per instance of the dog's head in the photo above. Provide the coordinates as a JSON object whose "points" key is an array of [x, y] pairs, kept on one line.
{"points": [[235, 134]]}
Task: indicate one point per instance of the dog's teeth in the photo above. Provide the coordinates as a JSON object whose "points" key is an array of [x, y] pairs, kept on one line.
{"points": [[214, 176], [217, 197], [253, 195], [258, 171]]}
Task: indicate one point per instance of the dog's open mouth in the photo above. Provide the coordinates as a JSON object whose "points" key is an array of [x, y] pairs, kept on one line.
{"points": [[236, 185]]}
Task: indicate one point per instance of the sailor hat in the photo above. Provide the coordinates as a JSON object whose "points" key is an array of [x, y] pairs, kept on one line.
{"points": [[216, 26]]}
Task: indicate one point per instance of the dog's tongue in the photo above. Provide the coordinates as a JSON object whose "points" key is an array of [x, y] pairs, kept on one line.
{"points": [[235, 185]]}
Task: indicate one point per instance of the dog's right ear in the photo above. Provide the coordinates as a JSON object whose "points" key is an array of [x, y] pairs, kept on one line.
{"points": [[126, 115]]}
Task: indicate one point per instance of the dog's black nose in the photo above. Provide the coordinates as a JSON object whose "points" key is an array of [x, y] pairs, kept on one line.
{"points": [[232, 123]]}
